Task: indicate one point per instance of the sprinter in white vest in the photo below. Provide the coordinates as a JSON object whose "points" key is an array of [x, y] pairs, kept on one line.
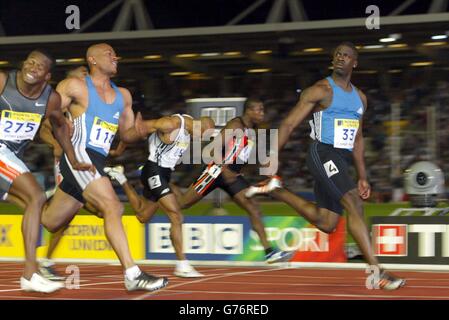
{"points": [[168, 139]]}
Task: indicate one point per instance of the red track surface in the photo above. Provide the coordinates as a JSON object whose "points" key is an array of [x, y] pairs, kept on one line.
{"points": [[230, 283]]}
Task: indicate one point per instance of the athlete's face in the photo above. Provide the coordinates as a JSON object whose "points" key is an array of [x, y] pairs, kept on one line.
{"points": [[344, 60], [256, 112], [106, 59], [36, 69]]}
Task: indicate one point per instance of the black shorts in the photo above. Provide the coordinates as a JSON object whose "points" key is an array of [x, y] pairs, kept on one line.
{"points": [[75, 182], [330, 168], [211, 178], [155, 180]]}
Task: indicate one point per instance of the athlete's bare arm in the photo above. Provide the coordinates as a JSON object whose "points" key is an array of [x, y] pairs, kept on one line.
{"points": [[74, 96], [358, 155], [47, 137], [62, 132], [143, 128], [221, 141], [310, 98], [119, 150]]}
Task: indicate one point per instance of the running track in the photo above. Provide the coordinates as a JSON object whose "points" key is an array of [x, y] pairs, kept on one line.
{"points": [[233, 283]]}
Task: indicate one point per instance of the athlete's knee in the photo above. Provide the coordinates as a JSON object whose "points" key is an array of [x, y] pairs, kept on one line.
{"points": [[51, 224], [142, 219], [352, 199], [37, 200], [111, 207], [176, 217]]}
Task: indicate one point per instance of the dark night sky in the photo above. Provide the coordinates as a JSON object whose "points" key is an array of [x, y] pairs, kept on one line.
{"points": [[25, 17]]}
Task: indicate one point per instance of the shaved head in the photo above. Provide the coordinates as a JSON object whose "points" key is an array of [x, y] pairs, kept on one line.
{"points": [[102, 58], [95, 49]]}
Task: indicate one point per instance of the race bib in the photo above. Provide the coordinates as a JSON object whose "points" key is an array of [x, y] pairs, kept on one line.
{"points": [[214, 171], [345, 131], [19, 125], [246, 151], [102, 134]]}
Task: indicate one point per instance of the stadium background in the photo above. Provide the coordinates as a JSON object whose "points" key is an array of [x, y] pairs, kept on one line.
{"points": [[189, 50]]}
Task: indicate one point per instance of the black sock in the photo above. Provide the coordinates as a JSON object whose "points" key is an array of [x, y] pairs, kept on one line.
{"points": [[268, 250]]}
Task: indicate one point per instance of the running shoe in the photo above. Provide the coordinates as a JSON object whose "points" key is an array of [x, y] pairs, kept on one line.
{"points": [[277, 255], [37, 283], [264, 187], [145, 281], [187, 272], [48, 272], [388, 281]]}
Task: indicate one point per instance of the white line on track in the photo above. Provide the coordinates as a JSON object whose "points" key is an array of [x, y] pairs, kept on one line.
{"points": [[146, 295]]}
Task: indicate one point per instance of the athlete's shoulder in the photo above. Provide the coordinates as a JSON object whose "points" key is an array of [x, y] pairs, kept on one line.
{"points": [[125, 92], [322, 84], [235, 123], [319, 90], [71, 83]]}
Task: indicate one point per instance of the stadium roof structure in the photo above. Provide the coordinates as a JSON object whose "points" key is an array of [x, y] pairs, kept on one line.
{"points": [[299, 45]]}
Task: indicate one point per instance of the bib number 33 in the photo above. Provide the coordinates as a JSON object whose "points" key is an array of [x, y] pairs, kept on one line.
{"points": [[345, 131]]}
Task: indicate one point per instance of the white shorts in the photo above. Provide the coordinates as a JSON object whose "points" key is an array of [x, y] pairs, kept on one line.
{"points": [[11, 166]]}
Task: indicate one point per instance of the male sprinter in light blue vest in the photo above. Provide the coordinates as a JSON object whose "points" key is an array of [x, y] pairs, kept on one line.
{"points": [[338, 107], [99, 109]]}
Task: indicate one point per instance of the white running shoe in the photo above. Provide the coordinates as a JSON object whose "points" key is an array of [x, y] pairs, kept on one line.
{"points": [[145, 281], [187, 272], [116, 173], [37, 283], [264, 187]]}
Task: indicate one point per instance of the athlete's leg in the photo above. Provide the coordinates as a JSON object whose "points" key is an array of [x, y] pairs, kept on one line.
{"points": [[144, 208], [60, 211], [54, 241], [255, 216], [101, 194], [171, 207], [189, 198], [324, 219], [353, 204], [26, 188]]}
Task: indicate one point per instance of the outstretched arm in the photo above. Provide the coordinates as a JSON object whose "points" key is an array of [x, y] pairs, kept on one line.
{"points": [[307, 102], [143, 128]]}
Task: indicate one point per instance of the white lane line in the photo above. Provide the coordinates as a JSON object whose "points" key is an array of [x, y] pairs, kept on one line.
{"points": [[148, 294]]}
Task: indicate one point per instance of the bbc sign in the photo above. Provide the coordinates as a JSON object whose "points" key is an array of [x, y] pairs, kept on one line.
{"points": [[415, 240], [204, 238]]}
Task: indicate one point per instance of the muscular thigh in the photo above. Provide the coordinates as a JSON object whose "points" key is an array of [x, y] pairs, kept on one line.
{"points": [[101, 194]]}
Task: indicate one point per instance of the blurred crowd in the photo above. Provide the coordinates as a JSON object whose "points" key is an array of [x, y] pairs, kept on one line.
{"points": [[413, 98]]}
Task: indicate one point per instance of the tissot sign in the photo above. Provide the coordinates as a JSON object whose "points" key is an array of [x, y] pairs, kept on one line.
{"points": [[417, 240]]}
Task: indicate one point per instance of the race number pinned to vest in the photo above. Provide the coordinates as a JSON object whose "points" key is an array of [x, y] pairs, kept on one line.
{"points": [[16, 125], [330, 168], [345, 131], [102, 134], [246, 151]]}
